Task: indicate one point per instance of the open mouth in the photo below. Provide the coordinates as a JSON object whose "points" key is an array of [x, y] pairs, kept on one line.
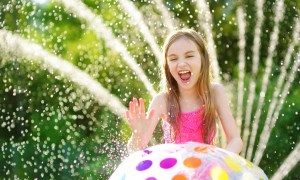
{"points": [[185, 75]]}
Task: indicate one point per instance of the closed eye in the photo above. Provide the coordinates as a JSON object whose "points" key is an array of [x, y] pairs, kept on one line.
{"points": [[172, 59], [189, 56]]}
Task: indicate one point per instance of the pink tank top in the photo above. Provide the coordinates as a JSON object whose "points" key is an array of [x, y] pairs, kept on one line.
{"points": [[190, 128]]}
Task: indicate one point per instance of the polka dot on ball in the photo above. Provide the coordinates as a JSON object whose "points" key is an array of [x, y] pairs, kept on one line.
{"points": [[233, 164], [217, 173], [143, 165], [151, 178], [146, 151], [201, 149], [168, 163], [249, 164], [179, 177], [192, 162]]}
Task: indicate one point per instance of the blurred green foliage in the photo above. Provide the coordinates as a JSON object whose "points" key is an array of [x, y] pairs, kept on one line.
{"points": [[53, 128]]}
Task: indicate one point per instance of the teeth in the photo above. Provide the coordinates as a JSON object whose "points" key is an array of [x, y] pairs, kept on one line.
{"points": [[183, 72]]}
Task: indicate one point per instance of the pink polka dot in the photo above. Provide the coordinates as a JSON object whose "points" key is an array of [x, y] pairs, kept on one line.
{"points": [[168, 163]]}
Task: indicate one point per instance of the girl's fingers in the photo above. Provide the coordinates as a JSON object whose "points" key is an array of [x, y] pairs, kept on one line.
{"points": [[142, 106], [131, 107], [128, 117], [136, 105]]}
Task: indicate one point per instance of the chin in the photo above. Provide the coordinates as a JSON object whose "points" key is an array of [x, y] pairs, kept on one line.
{"points": [[187, 86]]}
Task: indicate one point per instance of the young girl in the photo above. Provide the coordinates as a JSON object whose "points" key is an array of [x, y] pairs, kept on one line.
{"points": [[189, 103]]}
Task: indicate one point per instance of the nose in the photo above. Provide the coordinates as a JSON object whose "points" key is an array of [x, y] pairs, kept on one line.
{"points": [[182, 63]]}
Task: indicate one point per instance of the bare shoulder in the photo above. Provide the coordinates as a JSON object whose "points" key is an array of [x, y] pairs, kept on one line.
{"points": [[159, 104], [159, 99], [217, 88], [219, 93]]}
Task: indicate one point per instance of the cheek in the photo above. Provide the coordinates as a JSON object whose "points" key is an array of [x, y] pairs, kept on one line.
{"points": [[170, 66], [197, 65], [172, 69], [196, 69]]}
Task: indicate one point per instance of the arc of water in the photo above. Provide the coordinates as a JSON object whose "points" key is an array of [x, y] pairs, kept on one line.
{"points": [[267, 129], [205, 21], [137, 18], [252, 85], [242, 43], [288, 164], [166, 15], [280, 81], [280, 9], [95, 22], [19, 47]]}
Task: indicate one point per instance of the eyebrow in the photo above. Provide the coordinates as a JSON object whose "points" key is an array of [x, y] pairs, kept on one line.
{"points": [[189, 52], [184, 53]]}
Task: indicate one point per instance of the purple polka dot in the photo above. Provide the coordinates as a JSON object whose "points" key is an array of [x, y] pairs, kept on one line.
{"points": [[168, 163], [151, 178], [144, 165], [147, 151]]}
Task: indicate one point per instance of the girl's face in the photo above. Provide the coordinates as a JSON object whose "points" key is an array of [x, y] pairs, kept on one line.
{"points": [[184, 61]]}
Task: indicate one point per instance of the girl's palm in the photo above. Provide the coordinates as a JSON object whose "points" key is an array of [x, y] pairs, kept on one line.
{"points": [[136, 116]]}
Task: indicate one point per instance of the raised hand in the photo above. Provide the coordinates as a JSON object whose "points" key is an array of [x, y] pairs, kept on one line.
{"points": [[137, 119]]}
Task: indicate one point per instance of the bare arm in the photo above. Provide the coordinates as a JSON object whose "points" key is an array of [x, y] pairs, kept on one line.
{"points": [[143, 126], [234, 141]]}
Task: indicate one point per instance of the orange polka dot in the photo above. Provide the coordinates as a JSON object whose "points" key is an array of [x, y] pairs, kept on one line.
{"points": [[192, 162], [201, 149], [179, 177]]}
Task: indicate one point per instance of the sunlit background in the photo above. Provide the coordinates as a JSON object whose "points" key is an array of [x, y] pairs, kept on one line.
{"points": [[68, 69]]}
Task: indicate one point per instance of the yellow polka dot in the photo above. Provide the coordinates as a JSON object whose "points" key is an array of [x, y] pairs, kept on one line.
{"points": [[179, 177], [233, 164], [249, 164], [218, 173], [192, 162]]}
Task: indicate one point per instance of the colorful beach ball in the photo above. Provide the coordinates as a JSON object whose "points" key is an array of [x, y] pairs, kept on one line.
{"points": [[189, 161]]}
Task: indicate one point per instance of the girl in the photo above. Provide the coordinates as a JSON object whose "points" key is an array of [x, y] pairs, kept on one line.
{"points": [[189, 103]]}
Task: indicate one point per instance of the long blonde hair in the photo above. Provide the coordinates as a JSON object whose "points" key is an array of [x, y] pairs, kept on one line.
{"points": [[203, 87]]}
